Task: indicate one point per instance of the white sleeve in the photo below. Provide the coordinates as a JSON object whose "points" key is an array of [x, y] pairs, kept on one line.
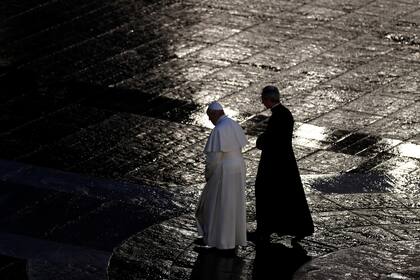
{"points": [[213, 159]]}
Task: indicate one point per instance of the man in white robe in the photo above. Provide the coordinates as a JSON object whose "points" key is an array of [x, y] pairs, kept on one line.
{"points": [[221, 210]]}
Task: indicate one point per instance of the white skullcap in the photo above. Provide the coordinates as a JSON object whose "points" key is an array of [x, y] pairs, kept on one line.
{"points": [[215, 106]]}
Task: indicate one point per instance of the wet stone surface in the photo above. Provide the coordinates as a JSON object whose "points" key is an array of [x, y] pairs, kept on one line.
{"points": [[103, 116]]}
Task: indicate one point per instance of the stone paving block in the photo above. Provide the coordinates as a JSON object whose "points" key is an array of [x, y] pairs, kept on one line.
{"points": [[360, 22], [87, 143], [15, 9], [149, 173], [406, 87], [229, 19], [185, 71], [53, 127], [251, 167], [407, 149], [407, 232], [13, 268], [342, 5], [329, 162], [142, 269], [222, 267], [221, 55], [322, 203], [411, 200], [179, 273], [98, 21], [68, 10], [67, 18], [356, 52], [394, 260], [329, 33], [42, 102], [354, 143], [320, 13], [316, 249], [301, 151], [338, 219], [371, 234], [370, 76], [395, 216], [412, 16], [210, 34], [323, 135], [131, 252], [386, 9], [397, 167], [348, 120], [187, 258], [260, 8], [107, 166], [311, 73], [369, 146], [400, 125], [181, 48], [39, 219], [104, 228], [308, 106], [365, 201], [16, 199], [370, 103], [330, 240]]}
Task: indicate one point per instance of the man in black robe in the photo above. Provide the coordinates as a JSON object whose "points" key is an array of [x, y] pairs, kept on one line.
{"points": [[281, 205]]}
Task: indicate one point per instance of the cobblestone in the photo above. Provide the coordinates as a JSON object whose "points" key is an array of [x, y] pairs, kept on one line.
{"points": [[117, 90]]}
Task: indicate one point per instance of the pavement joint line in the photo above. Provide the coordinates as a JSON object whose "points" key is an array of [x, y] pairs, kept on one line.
{"points": [[372, 223], [46, 116], [97, 36], [320, 243], [62, 181], [29, 248], [52, 27], [46, 3], [405, 205], [79, 131], [209, 45], [139, 46], [241, 61]]}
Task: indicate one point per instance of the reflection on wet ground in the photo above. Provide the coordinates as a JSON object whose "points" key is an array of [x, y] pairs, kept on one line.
{"points": [[270, 260], [215, 266], [277, 259], [117, 90]]}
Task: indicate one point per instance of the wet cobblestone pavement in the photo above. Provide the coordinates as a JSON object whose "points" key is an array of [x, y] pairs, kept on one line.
{"points": [[102, 128]]}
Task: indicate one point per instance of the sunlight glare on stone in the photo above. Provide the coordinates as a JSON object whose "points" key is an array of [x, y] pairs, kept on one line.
{"points": [[310, 131], [409, 150]]}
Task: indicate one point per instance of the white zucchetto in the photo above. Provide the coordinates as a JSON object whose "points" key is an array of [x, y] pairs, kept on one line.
{"points": [[215, 106]]}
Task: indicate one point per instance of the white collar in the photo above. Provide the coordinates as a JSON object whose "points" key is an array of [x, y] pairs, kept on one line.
{"points": [[275, 105]]}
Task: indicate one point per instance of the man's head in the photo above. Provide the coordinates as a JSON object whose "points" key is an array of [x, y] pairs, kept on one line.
{"points": [[215, 111], [270, 96]]}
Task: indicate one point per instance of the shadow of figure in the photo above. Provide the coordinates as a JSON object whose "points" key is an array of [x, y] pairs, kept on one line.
{"points": [[213, 265], [276, 261]]}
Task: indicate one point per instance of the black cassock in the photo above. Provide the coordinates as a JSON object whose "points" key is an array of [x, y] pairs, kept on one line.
{"points": [[281, 204]]}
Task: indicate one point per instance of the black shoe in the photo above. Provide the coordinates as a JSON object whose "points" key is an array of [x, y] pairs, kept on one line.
{"points": [[199, 241]]}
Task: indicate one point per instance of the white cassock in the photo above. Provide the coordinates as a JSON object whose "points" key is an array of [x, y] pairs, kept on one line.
{"points": [[221, 210]]}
